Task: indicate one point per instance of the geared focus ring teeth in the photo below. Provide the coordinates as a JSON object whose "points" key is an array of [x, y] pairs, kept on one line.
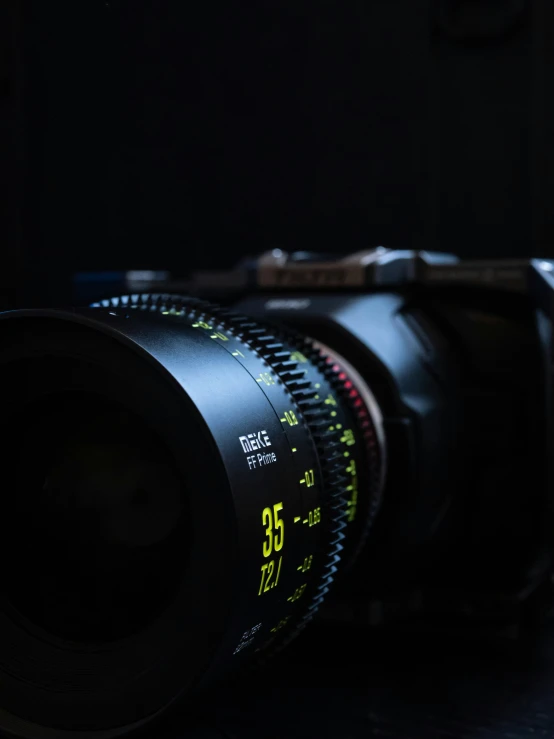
{"points": [[332, 448], [337, 527], [326, 447], [333, 469], [296, 385], [336, 475], [276, 353], [325, 436], [317, 424], [317, 417], [338, 508], [273, 351], [339, 497], [303, 395], [285, 366], [309, 408], [293, 375], [309, 400], [263, 340], [247, 326], [315, 414], [340, 480], [333, 461]]}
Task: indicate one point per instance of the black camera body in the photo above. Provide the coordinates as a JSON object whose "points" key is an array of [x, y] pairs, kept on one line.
{"points": [[457, 356], [218, 464]]}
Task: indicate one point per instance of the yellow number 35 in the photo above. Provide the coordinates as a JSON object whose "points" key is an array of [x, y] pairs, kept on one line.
{"points": [[275, 529]]}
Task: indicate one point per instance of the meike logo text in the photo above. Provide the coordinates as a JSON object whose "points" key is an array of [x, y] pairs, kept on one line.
{"points": [[257, 440]]}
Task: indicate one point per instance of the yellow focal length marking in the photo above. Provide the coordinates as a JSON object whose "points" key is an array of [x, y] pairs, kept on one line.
{"points": [[274, 529]]}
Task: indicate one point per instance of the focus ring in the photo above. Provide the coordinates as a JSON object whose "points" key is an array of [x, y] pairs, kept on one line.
{"points": [[365, 416], [320, 423], [364, 408]]}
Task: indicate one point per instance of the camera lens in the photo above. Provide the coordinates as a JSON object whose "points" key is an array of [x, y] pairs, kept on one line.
{"points": [[183, 487]]}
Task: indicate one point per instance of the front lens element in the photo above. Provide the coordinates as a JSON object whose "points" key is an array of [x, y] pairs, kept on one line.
{"points": [[101, 515]]}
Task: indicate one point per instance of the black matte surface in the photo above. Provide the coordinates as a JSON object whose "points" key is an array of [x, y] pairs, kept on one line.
{"points": [[339, 683]]}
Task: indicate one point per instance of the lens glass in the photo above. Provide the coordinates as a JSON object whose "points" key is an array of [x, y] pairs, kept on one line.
{"points": [[98, 517]]}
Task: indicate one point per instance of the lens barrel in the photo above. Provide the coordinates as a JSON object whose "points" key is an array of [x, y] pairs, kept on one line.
{"points": [[183, 487]]}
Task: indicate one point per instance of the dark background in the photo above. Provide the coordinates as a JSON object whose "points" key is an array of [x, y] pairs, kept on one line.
{"points": [[348, 683], [173, 135], [176, 135]]}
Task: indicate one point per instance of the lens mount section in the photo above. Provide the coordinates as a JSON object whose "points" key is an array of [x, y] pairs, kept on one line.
{"points": [[215, 468]]}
